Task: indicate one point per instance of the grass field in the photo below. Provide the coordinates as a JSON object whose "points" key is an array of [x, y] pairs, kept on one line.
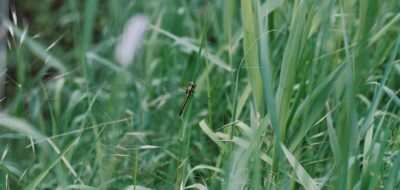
{"points": [[295, 94]]}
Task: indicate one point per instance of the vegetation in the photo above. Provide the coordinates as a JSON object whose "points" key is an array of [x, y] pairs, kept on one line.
{"points": [[290, 95]]}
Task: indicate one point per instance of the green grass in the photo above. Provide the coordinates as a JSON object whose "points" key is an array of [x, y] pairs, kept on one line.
{"points": [[290, 95]]}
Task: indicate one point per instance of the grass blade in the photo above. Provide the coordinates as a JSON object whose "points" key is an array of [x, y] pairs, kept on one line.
{"points": [[303, 177]]}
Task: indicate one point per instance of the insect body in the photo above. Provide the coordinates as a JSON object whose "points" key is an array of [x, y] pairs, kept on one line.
{"points": [[189, 92]]}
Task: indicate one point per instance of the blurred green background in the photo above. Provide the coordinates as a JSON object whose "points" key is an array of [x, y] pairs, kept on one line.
{"points": [[290, 95]]}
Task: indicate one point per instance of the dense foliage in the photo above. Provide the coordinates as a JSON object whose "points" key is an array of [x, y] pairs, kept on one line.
{"points": [[290, 95]]}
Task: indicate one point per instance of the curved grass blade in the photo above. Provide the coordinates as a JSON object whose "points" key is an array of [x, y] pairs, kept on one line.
{"points": [[302, 175]]}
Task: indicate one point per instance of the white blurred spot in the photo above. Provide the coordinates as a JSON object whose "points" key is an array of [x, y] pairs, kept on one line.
{"points": [[138, 187], [148, 147], [23, 36], [156, 82], [181, 10], [131, 39], [54, 43], [10, 29], [14, 16]]}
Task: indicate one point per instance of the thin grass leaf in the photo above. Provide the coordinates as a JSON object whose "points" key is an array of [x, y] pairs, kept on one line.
{"points": [[108, 63], [200, 167], [37, 180], [197, 186], [302, 175], [392, 95], [189, 47], [245, 128], [270, 6], [203, 125], [391, 181], [333, 140], [137, 187], [378, 95], [311, 107], [379, 35], [242, 100], [81, 187], [38, 49]]}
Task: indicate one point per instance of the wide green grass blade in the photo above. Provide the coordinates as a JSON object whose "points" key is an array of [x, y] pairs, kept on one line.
{"points": [[91, 7], [250, 48], [302, 175], [203, 125], [299, 29], [20, 126]]}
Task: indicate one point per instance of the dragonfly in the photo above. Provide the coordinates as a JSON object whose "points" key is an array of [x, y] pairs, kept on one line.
{"points": [[192, 85], [188, 93]]}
